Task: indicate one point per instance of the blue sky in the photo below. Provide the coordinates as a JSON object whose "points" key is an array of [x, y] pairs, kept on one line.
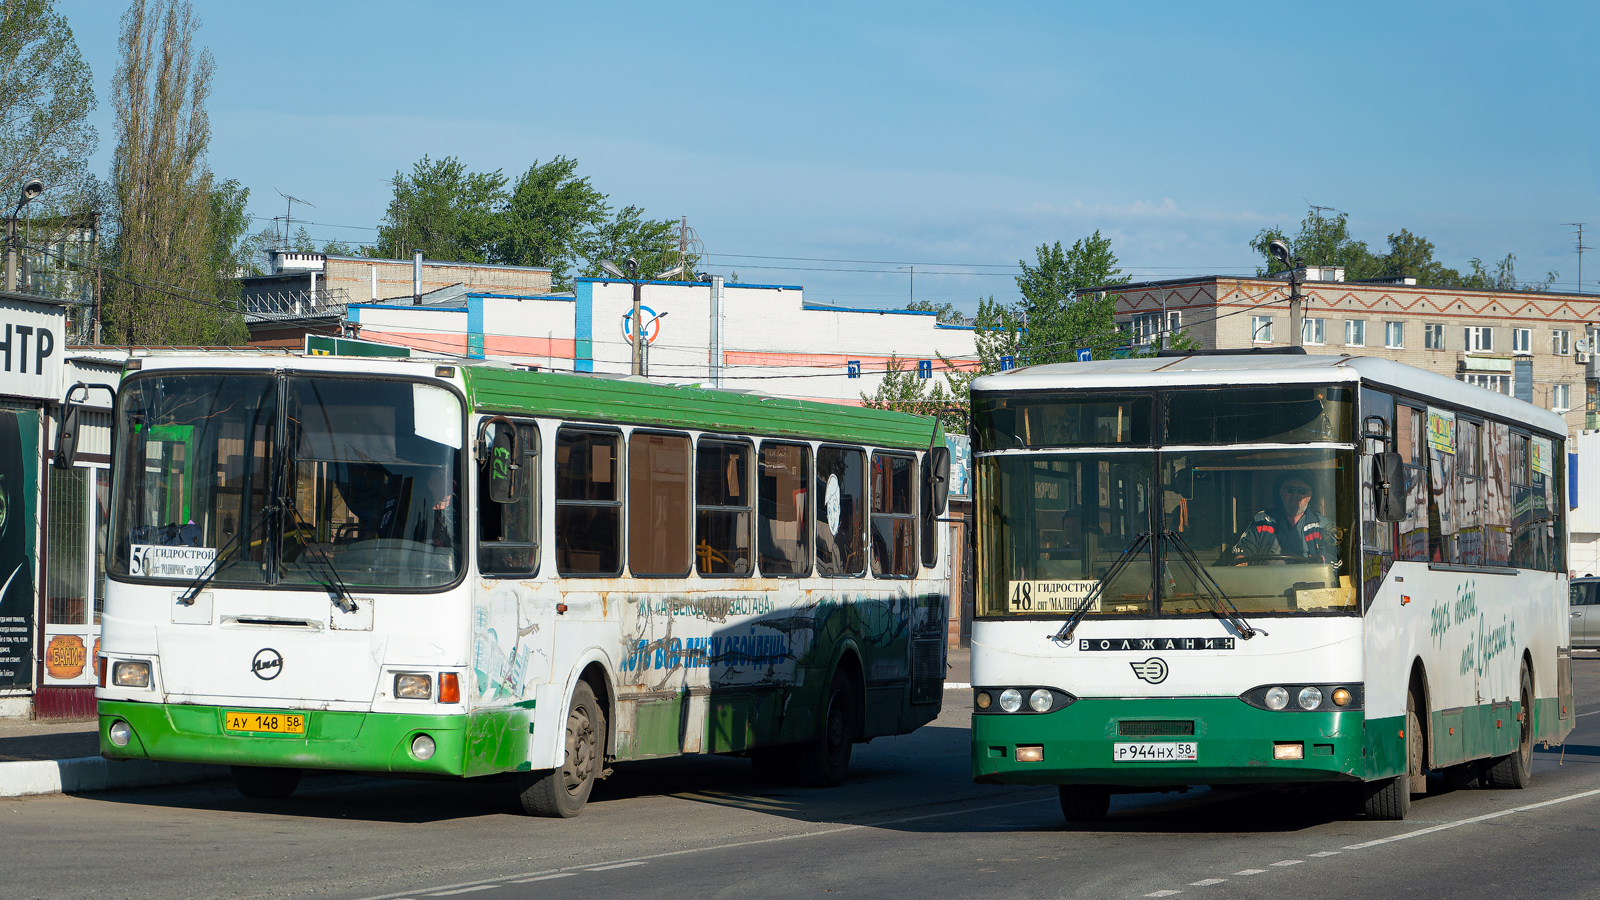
{"points": [[946, 136]]}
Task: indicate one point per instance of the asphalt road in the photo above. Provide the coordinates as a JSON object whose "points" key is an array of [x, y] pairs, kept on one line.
{"points": [[908, 823]]}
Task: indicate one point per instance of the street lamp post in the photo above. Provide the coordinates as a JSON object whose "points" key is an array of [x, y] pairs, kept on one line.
{"points": [[632, 277], [33, 188], [1280, 252]]}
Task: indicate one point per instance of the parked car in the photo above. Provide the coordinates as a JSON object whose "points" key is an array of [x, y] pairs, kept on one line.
{"points": [[1585, 612]]}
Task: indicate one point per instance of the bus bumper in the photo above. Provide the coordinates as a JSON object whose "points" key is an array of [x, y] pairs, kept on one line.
{"points": [[350, 741], [1234, 744]]}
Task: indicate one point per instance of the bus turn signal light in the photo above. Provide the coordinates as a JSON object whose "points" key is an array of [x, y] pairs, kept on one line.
{"points": [[449, 688]]}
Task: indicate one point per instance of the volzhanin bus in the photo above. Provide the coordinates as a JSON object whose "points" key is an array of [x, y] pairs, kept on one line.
{"points": [[1263, 569], [408, 567]]}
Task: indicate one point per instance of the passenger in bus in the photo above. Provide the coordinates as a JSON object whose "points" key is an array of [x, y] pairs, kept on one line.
{"points": [[1294, 529], [437, 523]]}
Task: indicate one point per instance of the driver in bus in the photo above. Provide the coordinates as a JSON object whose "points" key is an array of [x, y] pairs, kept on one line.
{"points": [[1294, 529]]}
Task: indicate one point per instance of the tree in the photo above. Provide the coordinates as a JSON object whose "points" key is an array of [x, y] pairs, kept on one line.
{"points": [[231, 253], [550, 218], [1322, 241], [946, 313], [1059, 314], [165, 281], [653, 242], [903, 391], [46, 95], [443, 210]]}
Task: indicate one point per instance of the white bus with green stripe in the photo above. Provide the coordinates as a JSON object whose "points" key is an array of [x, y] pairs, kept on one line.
{"points": [[411, 567], [1264, 569]]}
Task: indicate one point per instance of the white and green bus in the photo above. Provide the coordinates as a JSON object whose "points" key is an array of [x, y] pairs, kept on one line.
{"points": [[416, 567], [1264, 569]]}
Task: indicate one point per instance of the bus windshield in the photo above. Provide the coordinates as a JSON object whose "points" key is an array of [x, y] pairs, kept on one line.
{"points": [[1265, 524], [288, 481]]}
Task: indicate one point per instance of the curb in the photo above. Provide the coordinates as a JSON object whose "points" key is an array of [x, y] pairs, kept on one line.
{"points": [[94, 773]]}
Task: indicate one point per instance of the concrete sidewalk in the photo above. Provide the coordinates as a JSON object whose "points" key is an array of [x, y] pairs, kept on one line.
{"points": [[63, 755]]}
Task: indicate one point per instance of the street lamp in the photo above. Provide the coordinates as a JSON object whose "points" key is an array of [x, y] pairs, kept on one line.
{"points": [[32, 189], [632, 277], [1280, 252]]}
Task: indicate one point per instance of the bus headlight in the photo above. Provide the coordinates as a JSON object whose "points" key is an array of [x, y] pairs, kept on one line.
{"points": [[120, 733], [408, 686], [131, 673], [1040, 700], [1277, 698], [1010, 699], [1310, 698], [1341, 697], [422, 747]]}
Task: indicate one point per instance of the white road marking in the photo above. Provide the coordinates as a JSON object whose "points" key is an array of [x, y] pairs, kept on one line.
{"points": [[1321, 853], [1163, 893], [544, 877], [1250, 872], [1483, 818], [625, 865], [481, 887], [958, 686], [1288, 862], [734, 845], [1594, 713], [1207, 882]]}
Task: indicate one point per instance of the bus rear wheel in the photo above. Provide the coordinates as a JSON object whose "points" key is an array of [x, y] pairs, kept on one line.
{"points": [[1085, 802], [561, 793], [1516, 770], [823, 762], [265, 782]]}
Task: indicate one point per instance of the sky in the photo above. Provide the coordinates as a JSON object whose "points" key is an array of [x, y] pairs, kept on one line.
{"points": [[866, 151]]}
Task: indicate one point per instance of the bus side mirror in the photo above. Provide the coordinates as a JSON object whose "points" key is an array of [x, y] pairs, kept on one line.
{"points": [[500, 459], [1391, 487], [939, 480]]}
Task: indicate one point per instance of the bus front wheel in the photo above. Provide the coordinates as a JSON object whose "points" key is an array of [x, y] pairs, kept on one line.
{"points": [[561, 793], [1390, 799], [1516, 770]]}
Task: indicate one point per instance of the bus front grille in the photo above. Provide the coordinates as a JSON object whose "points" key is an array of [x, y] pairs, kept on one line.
{"points": [[1126, 728]]}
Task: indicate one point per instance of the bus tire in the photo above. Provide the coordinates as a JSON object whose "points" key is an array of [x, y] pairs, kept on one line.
{"points": [[1516, 770], [1085, 802], [265, 782], [561, 793], [824, 761], [1389, 800]]}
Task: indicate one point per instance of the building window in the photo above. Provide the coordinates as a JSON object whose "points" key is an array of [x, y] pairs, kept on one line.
{"points": [[1561, 342], [1146, 328], [1311, 331], [1560, 397], [1522, 341], [1355, 333], [1479, 338], [1433, 336], [1497, 382], [1261, 329], [1394, 335]]}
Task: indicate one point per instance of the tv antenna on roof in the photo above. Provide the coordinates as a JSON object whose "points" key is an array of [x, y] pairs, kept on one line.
{"points": [[1581, 247], [287, 216]]}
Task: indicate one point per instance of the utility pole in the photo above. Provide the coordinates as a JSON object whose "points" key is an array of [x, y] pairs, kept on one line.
{"points": [[1280, 252], [1581, 247]]}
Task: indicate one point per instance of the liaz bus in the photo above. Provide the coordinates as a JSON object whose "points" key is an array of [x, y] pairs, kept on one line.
{"points": [[419, 568], [1264, 569]]}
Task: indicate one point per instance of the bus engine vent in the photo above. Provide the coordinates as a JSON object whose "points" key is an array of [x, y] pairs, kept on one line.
{"points": [[927, 670], [1127, 728]]}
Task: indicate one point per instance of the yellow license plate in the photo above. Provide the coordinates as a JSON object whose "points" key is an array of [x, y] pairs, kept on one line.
{"points": [[266, 722]]}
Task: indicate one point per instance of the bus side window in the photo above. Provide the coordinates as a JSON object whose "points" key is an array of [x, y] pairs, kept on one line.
{"points": [[783, 526], [588, 503], [658, 504], [722, 508], [1469, 493], [894, 523], [1497, 495], [508, 533], [1409, 442], [840, 494]]}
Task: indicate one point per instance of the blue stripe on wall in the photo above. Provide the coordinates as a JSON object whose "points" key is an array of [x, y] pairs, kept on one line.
{"points": [[583, 327], [475, 327]]}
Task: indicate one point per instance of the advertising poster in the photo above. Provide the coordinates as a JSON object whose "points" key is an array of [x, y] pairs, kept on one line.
{"points": [[19, 473]]}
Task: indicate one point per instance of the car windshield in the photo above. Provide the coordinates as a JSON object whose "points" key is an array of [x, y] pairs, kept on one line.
{"points": [[358, 477]]}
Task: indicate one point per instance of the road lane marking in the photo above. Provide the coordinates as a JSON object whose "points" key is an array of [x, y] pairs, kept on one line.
{"points": [[1207, 882], [503, 879], [481, 887], [543, 877], [1322, 853], [1250, 872], [1288, 862], [616, 866], [1163, 893], [958, 685], [1475, 819]]}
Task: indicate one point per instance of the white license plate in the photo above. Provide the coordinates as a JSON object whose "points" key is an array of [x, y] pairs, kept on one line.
{"points": [[1155, 751]]}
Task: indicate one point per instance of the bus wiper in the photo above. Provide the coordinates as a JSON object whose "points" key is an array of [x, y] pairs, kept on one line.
{"points": [[1071, 624], [1219, 602], [342, 596], [187, 597]]}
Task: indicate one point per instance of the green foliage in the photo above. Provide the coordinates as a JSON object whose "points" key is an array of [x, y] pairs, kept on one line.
{"points": [[550, 220], [946, 313], [654, 243], [230, 250], [1326, 241], [169, 253], [901, 390], [1058, 314], [46, 95], [443, 210]]}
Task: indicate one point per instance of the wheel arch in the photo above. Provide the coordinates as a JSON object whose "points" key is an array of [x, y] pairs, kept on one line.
{"points": [[1417, 685]]}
